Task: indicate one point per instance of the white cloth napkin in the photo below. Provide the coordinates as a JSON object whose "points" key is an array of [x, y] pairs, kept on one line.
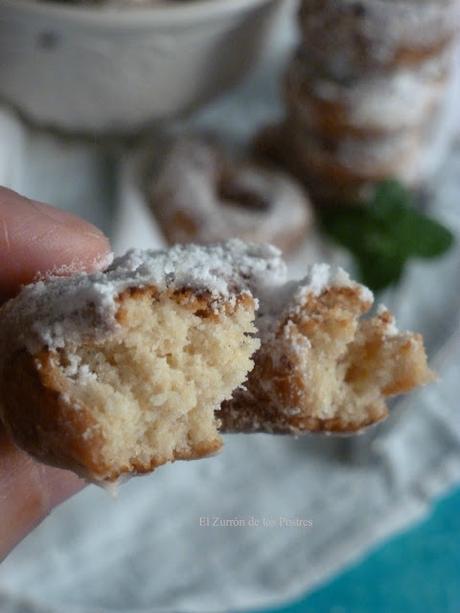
{"points": [[305, 507]]}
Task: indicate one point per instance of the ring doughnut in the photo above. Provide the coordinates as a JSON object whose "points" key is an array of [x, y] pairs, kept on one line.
{"points": [[200, 196], [375, 105], [358, 161], [349, 37]]}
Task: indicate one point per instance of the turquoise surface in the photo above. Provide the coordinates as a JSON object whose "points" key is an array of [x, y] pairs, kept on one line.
{"points": [[415, 572]]}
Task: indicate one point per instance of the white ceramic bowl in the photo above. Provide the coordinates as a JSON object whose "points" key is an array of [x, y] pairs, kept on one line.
{"points": [[100, 69]]}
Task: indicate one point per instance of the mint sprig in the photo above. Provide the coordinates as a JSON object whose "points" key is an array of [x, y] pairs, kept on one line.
{"points": [[384, 234]]}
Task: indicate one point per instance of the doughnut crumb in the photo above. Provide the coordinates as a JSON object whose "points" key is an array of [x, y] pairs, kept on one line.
{"points": [[321, 365]]}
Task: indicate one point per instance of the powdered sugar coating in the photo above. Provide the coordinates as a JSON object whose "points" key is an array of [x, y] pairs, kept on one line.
{"points": [[391, 328], [321, 277], [221, 269], [67, 311], [282, 301], [62, 310]]}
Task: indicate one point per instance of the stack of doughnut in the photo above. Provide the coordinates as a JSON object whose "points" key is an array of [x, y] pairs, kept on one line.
{"points": [[364, 91]]}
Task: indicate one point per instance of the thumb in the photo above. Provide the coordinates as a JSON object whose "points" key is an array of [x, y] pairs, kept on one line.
{"points": [[37, 238]]}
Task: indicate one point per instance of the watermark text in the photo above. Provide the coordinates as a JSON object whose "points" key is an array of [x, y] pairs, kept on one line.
{"points": [[209, 521]]}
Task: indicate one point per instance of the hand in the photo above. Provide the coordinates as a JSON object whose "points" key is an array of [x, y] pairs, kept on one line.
{"points": [[37, 238]]}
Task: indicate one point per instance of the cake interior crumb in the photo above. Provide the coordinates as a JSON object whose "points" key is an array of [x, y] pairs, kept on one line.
{"points": [[152, 388], [347, 364]]}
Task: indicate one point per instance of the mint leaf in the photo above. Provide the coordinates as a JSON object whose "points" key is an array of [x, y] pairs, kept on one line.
{"points": [[342, 224], [385, 233], [426, 238], [381, 270], [390, 199]]}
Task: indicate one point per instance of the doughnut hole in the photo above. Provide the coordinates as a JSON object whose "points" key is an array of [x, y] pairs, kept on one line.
{"points": [[147, 395], [241, 189]]}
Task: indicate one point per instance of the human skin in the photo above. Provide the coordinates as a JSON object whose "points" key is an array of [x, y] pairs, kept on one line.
{"points": [[35, 239]]}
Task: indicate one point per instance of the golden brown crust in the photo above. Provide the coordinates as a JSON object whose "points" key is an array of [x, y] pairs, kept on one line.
{"points": [[39, 418], [258, 417], [202, 303], [200, 451]]}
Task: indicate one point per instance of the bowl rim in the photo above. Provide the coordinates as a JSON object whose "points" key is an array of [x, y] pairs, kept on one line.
{"points": [[109, 16]]}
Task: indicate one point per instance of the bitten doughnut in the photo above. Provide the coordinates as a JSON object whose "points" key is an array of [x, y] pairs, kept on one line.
{"points": [[116, 373], [321, 366], [199, 195]]}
